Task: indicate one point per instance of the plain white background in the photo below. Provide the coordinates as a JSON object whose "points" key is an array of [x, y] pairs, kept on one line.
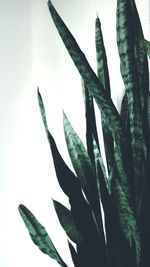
{"points": [[31, 55]]}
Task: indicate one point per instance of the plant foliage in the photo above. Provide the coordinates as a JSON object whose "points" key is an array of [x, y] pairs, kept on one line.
{"points": [[122, 192]]}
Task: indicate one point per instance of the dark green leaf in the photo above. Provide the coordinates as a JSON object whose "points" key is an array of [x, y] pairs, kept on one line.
{"points": [[91, 131], [67, 222], [74, 255], [133, 66], [102, 67], [39, 235], [42, 110], [147, 46], [91, 80], [70, 184], [122, 204], [124, 112], [80, 160], [84, 170], [148, 111]]}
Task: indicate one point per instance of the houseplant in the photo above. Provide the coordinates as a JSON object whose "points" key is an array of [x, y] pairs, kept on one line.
{"points": [[122, 239]]}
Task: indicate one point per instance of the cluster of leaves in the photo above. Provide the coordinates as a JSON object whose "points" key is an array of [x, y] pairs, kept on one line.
{"points": [[123, 238]]}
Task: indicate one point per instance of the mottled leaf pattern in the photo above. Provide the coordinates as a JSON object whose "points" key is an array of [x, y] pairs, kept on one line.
{"points": [[123, 204], [66, 220], [39, 235], [124, 191], [91, 131], [91, 80], [129, 47], [102, 67], [84, 170], [103, 75]]}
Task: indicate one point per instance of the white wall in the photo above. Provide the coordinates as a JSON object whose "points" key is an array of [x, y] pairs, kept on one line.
{"points": [[32, 54]]}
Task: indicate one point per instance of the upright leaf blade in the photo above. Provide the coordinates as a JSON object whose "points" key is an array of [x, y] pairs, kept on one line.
{"points": [[39, 235], [128, 34], [103, 75], [66, 220], [84, 170], [91, 131], [91, 80], [70, 184]]}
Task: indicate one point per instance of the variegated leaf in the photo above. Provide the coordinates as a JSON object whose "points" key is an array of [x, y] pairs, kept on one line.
{"points": [[128, 30], [91, 80], [123, 204], [39, 235], [67, 222], [84, 169]]}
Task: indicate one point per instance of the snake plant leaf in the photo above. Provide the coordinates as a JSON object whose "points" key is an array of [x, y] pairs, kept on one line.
{"points": [[148, 111], [80, 160], [103, 75], [84, 169], [70, 185], [147, 46], [66, 220], [91, 131], [102, 67], [91, 80], [74, 255], [92, 141], [123, 204], [128, 30], [42, 110], [39, 235], [124, 112]]}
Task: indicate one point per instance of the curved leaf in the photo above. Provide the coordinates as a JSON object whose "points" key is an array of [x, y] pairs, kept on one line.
{"points": [[67, 222], [39, 235]]}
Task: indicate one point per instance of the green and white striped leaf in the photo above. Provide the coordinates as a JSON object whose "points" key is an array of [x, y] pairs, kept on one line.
{"points": [[91, 80], [67, 222], [39, 235]]}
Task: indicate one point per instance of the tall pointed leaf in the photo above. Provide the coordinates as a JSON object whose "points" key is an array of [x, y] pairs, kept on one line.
{"points": [[74, 255], [91, 80], [91, 131], [84, 170], [128, 29], [103, 75], [39, 235], [66, 220], [81, 211], [102, 67], [123, 204]]}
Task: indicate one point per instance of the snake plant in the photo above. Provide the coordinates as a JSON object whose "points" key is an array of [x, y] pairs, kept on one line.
{"points": [[119, 189]]}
